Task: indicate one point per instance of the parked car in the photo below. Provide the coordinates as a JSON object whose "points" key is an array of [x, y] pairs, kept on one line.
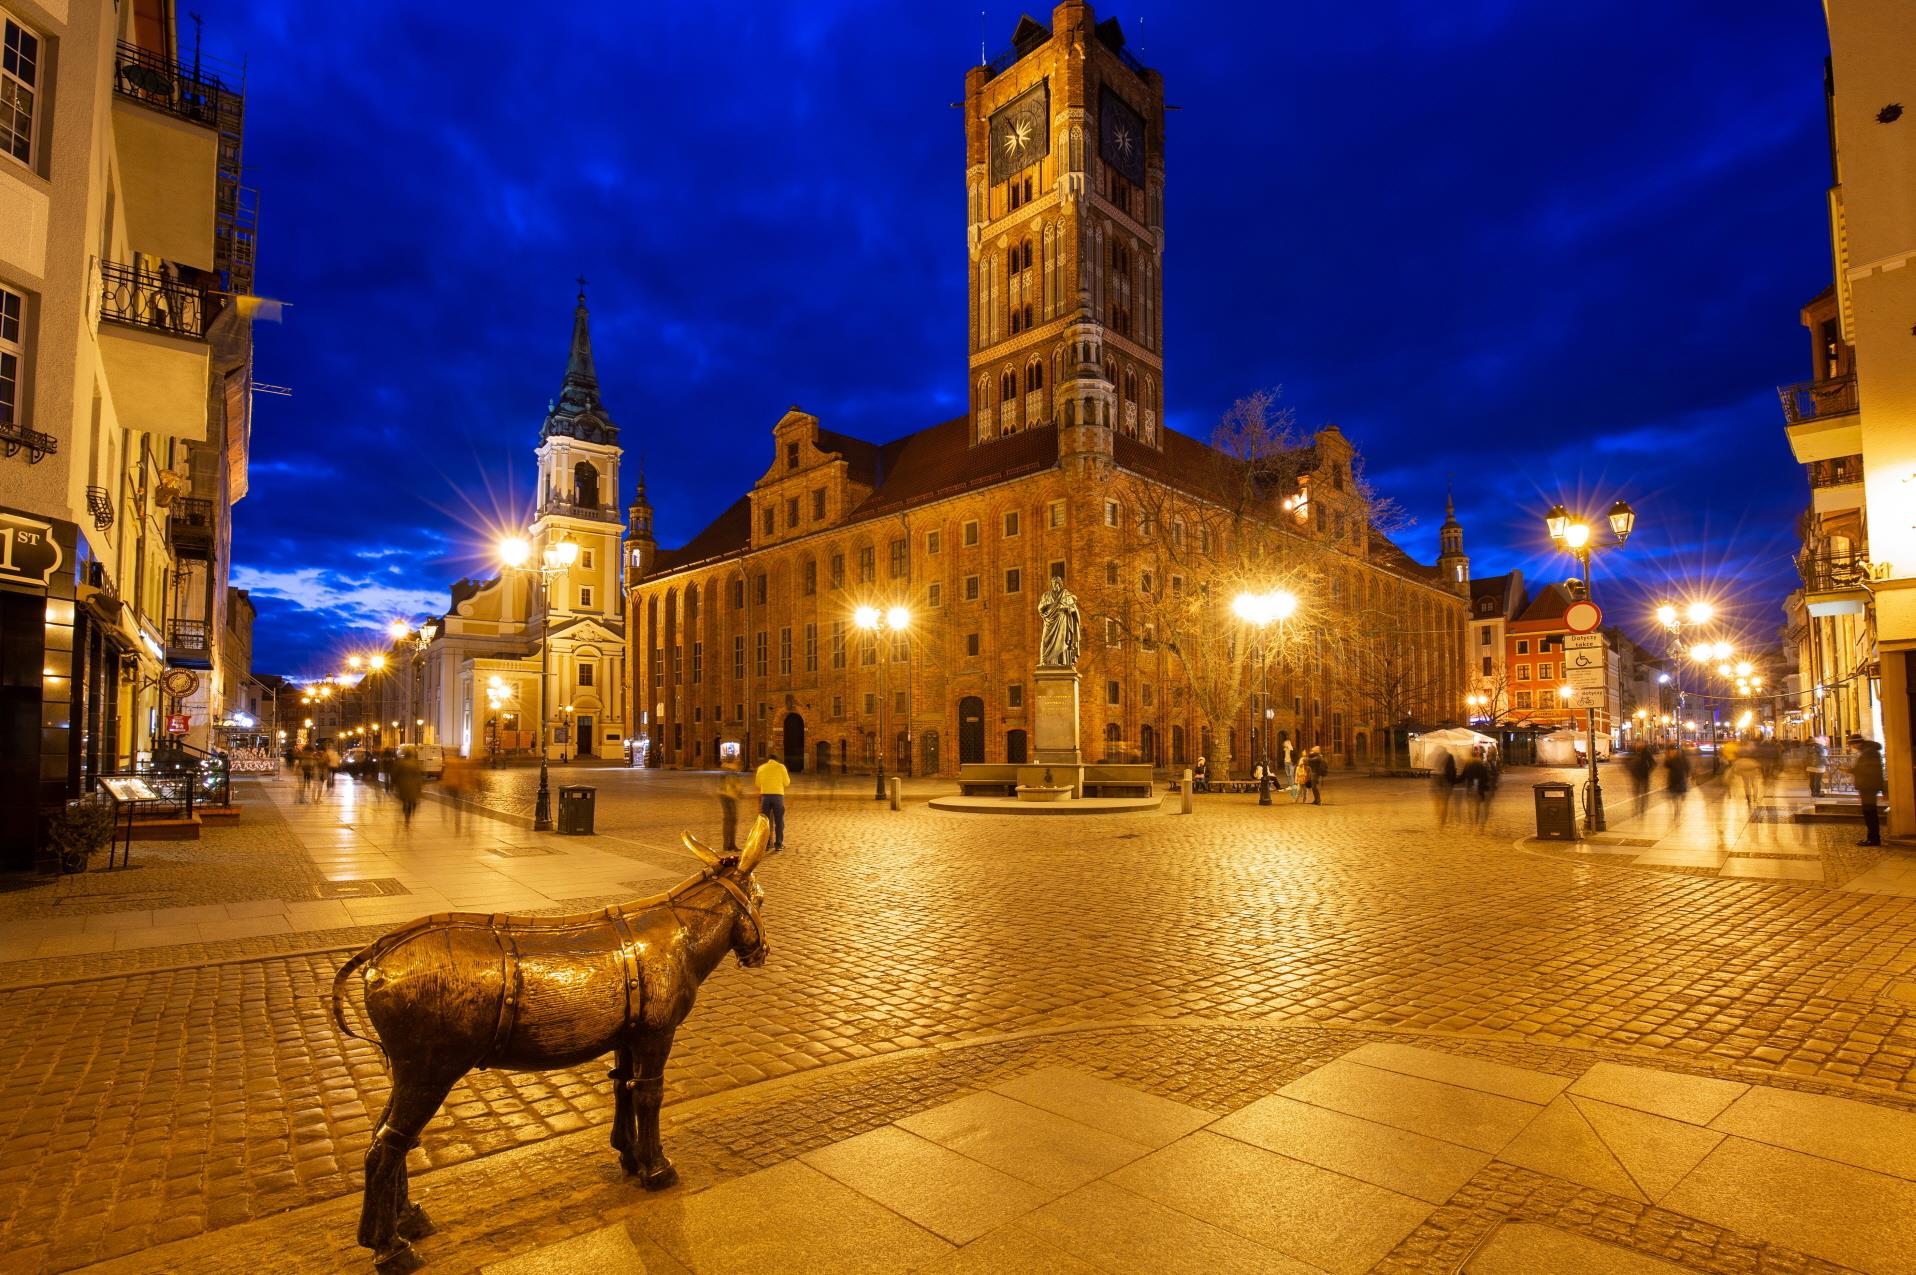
{"points": [[431, 758]]}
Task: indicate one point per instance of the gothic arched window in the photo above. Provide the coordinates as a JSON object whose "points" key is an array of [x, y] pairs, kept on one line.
{"points": [[1034, 375]]}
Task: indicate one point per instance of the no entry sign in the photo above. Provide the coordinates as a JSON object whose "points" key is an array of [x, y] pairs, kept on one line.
{"points": [[1582, 617]]}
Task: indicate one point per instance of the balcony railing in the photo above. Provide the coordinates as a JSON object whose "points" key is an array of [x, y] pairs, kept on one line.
{"points": [[1840, 472], [189, 526], [165, 85], [145, 299], [566, 509], [1818, 400], [187, 639], [1831, 571]]}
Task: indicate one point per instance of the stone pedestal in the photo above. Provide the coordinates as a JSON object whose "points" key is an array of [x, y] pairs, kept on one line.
{"points": [[1054, 717]]}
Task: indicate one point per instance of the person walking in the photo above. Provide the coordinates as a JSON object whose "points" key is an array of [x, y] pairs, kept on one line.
{"points": [[1817, 765], [1867, 770], [453, 782], [731, 786], [329, 762], [1443, 788], [1479, 784], [1746, 770], [1676, 779], [408, 779], [773, 779], [1640, 765], [1319, 768], [1302, 784]]}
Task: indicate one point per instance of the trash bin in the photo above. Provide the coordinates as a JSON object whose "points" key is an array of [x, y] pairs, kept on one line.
{"points": [[575, 809], [1556, 812]]}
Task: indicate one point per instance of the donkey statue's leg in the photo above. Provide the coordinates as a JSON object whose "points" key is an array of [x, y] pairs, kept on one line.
{"points": [[387, 1219], [624, 1134], [649, 1051]]}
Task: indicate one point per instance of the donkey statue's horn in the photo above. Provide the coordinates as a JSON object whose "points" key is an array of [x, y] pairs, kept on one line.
{"points": [[705, 853], [755, 843]]}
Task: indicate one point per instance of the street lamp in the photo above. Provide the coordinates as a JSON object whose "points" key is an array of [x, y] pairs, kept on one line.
{"points": [[1574, 536], [1259, 610], [516, 553], [567, 710], [894, 620], [421, 639]]}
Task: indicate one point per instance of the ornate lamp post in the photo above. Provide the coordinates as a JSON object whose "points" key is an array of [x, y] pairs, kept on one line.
{"points": [[875, 622], [1674, 621], [514, 553], [1575, 537], [1259, 610], [420, 639]]}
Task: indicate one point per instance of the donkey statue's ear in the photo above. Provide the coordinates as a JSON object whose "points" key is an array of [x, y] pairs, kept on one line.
{"points": [[755, 843], [705, 853]]}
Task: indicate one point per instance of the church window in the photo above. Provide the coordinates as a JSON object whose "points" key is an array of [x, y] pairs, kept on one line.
{"points": [[971, 532], [585, 598], [838, 571], [758, 588], [818, 504], [785, 651], [761, 652], [811, 576], [738, 594], [900, 558], [1011, 523], [698, 663], [738, 657], [791, 511], [1130, 385], [1110, 513], [1034, 375], [1008, 383], [585, 485], [586, 673], [1054, 514], [1015, 695], [971, 644], [934, 541], [1014, 580], [791, 455], [838, 644], [971, 588], [811, 648], [867, 564], [934, 595]]}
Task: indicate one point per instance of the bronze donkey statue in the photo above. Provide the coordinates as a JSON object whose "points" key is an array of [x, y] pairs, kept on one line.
{"points": [[460, 990]]}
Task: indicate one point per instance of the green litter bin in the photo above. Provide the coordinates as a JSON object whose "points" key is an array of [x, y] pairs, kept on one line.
{"points": [[1556, 812], [575, 809]]}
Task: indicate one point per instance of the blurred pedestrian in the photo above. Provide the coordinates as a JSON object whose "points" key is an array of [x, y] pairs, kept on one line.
{"points": [[1201, 775], [731, 786], [773, 779], [454, 780], [1479, 783], [1640, 765], [1319, 768], [1867, 770], [1747, 772], [1301, 783], [1816, 765], [1443, 787], [329, 764], [408, 779], [1676, 776]]}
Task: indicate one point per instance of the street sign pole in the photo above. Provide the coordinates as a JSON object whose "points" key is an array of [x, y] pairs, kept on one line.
{"points": [[1593, 817]]}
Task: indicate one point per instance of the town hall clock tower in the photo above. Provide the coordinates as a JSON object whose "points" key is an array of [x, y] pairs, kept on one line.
{"points": [[1065, 212]]}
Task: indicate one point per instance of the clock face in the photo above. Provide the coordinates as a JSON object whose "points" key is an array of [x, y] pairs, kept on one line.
{"points": [[1021, 133], [1121, 137]]}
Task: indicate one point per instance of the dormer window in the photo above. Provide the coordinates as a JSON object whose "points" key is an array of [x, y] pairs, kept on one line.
{"points": [[791, 455]]}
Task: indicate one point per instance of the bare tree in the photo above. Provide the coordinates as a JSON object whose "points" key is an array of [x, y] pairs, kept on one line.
{"points": [[1386, 667], [1227, 524]]}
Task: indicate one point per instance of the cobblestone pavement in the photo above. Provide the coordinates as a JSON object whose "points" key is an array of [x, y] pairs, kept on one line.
{"points": [[203, 1084]]}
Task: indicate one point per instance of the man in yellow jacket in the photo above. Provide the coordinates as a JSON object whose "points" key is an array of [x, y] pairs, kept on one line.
{"points": [[773, 779]]}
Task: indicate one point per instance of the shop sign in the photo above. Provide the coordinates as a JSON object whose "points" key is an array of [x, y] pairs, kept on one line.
{"points": [[176, 723], [29, 554]]}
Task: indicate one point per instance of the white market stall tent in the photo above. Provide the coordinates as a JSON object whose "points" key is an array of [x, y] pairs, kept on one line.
{"points": [[1567, 747], [1427, 750]]}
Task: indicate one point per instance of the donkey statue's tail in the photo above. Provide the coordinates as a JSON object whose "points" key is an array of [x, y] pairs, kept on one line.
{"points": [[378, 947]]}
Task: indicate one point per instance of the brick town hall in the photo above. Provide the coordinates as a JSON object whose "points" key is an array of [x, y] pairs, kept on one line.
{"points": [[1063, 466]]}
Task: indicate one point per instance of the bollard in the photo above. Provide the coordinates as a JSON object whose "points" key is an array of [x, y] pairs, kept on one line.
{"points": [[897, 793], [1184, 793]]}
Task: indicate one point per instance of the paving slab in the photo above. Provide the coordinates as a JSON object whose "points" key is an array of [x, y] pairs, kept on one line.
{"points": [[1448, 1113], [1112, 1229], [1117, 1109], [1561, 1143], [950, 1195], [1030, 1144], [1520, 1083], [1408, 1163], [1696, 1099], [1655, 1151], [1528, 1248]]}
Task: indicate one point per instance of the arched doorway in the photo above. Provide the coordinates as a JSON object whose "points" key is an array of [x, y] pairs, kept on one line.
{"points": [[1147, 745], [928, 747], [1015, 747], [971, 730], [794, 742]]}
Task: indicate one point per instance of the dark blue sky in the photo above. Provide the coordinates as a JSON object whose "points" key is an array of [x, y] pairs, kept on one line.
{"points": [[1552, 250]]}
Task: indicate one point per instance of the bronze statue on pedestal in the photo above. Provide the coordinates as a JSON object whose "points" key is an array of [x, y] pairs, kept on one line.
{"points": [[455, 991]]}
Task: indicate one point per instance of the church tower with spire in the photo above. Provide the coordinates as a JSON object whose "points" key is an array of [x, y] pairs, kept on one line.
{"points": [[1451, 559], [581, 611]]}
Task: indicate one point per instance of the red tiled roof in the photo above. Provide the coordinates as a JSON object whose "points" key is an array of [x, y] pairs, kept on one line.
{"points": [[1550, 603], [730, 532]]}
